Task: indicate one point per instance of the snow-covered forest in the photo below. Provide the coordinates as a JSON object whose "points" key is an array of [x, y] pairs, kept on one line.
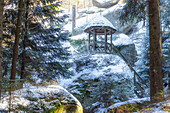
{"points": [[85, 56]]}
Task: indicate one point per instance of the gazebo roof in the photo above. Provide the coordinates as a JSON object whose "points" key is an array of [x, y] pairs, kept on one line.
{"points": [[99, 23]]}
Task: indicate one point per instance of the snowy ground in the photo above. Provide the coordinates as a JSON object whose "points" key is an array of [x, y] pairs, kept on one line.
{"points": [[154, 108]]}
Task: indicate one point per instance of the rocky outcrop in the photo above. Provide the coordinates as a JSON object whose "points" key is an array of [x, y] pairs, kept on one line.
{"points": [[101, 80], [43, 99], [126, 47], [129, 52], [104, 3], [113, 14]]}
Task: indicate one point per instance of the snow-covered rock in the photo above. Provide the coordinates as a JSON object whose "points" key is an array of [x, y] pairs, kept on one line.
{"points": [[104, 3], [43, 99], [126, 46], [100, 81], [113, 14]]}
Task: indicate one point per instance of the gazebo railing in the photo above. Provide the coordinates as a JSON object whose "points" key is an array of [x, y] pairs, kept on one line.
{"points": [[138, 81], [99, 47]]}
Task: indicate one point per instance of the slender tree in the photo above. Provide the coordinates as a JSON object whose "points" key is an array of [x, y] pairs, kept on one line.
{"points": [[17, 35], [1, 34], [156, 84], [136, 10], [24, 43]]}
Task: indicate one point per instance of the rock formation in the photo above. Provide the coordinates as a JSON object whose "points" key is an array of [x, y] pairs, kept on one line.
{"points": [[43, 99], [104, 3]]}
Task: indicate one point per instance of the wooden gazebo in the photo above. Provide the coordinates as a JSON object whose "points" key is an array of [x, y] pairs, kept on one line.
{"points": [[100, 26]]}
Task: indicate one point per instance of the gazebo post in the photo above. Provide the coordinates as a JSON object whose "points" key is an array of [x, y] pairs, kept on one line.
{"points": [[94, 40], [89, 40], [105, 35], [111, 39]]}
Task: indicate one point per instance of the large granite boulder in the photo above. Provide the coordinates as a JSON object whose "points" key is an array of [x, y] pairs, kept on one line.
{"points": [[43, 99], [104, 3], [113, 14], [126, 47], [100, 81]]}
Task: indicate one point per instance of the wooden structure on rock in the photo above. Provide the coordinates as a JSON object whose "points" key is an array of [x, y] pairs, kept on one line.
{"points": [[100, 26]]}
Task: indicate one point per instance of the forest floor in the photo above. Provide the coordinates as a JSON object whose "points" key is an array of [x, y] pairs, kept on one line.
{"points": [[144, 107]]}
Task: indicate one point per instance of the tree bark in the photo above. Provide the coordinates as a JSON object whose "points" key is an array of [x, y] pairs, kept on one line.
{"points": [[24, 46], [73, 20], [156, 84], [17, 35], [1, 34]]}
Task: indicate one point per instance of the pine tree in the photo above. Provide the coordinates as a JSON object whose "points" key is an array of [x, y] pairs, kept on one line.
{"points": [[156, 84], [1, 34], [45, 45], [46, 58], [17, 36], [23, 54]]}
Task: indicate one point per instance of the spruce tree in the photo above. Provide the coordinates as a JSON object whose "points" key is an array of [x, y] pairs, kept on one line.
{"points": [[46, 55], [40, 52]]}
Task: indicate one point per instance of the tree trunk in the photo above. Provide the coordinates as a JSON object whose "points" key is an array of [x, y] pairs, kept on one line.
{"points": [[156, 84], [1, 34], [84, 3], [24, 42], [17, 35], [73, 20]]}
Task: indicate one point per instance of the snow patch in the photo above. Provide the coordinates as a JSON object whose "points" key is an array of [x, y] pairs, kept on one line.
{"points": [[117, 66], [99, 21], [132, 101], [79, 37], [122, 40]]}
